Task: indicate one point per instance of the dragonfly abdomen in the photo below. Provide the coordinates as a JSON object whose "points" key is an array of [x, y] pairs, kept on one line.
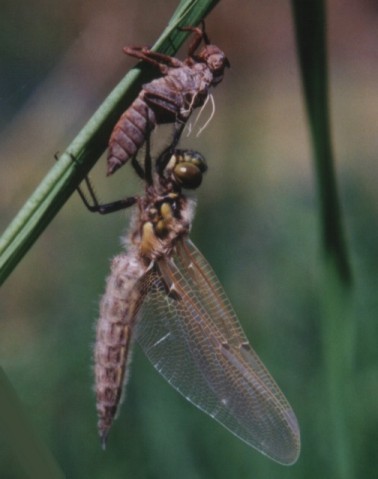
{"points": [[118, 310]]}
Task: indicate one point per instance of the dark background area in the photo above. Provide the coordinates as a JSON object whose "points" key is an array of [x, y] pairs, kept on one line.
{"points": [[257, 223]]}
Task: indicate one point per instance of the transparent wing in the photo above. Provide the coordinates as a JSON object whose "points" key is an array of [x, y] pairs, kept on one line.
{"points": [[191, 335]]}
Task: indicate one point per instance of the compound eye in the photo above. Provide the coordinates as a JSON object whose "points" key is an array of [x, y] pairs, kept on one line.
{"points": [[187, 175]]}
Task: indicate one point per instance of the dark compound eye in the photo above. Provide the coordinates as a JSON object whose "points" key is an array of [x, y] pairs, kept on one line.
{"points": [[187, 175], [186, 168], [193, 157]]}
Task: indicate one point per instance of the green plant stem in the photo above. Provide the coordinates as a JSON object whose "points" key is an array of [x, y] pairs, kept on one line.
{"points": [[310, 24], [335, 288], [80, 156], [338, 332]]}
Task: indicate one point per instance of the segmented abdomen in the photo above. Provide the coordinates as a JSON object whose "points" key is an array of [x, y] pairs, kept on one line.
{"points": [[163, 100], [115, 328], [130, 133]]}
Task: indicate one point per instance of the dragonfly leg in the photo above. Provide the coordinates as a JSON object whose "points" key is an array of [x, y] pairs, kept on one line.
{"points": [[159, 60], [199, 35], [105, 208], [165, 156]]}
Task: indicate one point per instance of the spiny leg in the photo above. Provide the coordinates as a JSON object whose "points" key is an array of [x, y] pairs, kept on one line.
{"points": [[138, 169], [165, 156], [105, 208], [97, 207], [159, 60], [199, 35]]}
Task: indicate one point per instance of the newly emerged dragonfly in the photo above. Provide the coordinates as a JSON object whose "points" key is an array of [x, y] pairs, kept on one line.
{"points": [[163, 293]]}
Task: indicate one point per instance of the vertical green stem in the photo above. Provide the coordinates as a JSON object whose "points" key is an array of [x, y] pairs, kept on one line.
{"points": [[337, 338], [337, 324], [310, 24]]}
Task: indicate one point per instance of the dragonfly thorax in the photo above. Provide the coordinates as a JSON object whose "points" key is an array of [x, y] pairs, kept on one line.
{"points": [[164, 222]]}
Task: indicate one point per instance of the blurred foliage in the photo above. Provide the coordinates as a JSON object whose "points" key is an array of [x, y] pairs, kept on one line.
{"points": [[257, 223]]}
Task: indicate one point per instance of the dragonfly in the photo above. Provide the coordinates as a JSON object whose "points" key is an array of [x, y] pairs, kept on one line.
{"points": [[162, 293]]}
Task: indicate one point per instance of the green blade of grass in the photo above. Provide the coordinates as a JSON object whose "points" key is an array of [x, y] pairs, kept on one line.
{"points": [[310, 25], [89, 144], [337, 325]]}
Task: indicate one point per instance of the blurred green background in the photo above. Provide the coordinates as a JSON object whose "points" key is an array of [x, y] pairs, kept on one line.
{"points": [[257, 223]]}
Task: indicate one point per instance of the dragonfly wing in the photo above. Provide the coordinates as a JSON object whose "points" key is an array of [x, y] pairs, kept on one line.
{"points": [[193, 338]]}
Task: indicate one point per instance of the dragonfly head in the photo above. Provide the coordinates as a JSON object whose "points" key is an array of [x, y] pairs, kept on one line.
{"points": [[186, 168]]}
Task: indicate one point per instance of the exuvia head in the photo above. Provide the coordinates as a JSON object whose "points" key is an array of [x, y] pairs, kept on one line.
{"points": [[215, 59]]}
